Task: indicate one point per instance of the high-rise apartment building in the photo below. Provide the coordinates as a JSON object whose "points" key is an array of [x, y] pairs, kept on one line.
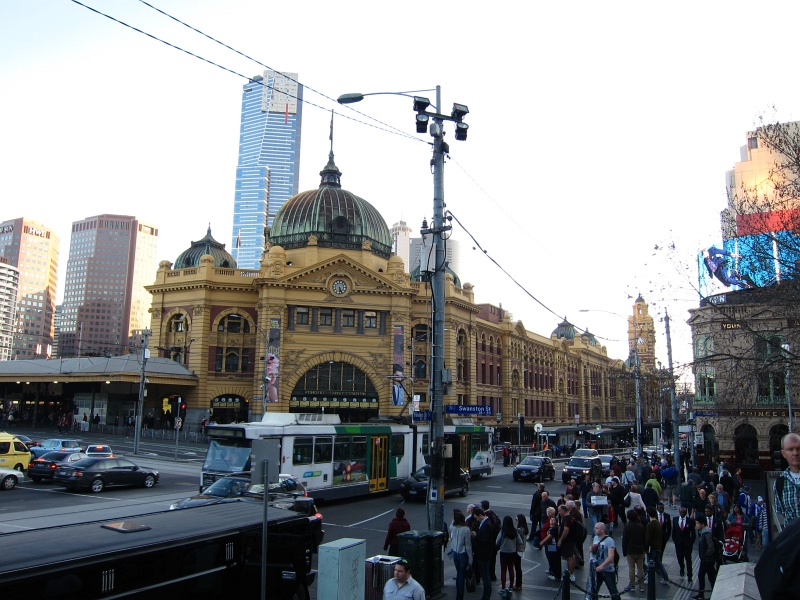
{"points": [[401, 241], [9, 289], [269, 160], [111, 259], [32, 248]]}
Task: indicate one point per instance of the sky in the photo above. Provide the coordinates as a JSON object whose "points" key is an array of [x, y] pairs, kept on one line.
{"points": [[599, 133]]}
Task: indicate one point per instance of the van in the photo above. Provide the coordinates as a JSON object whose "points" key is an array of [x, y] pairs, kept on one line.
{"points": [[14, 454]]}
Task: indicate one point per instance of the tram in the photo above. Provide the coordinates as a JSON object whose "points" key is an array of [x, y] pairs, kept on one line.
{"points": [[336, 460]]}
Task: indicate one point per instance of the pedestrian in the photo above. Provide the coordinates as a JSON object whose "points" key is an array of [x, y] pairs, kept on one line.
{"points": [[723, 499], [483, 545], [616, 497], [684, 536], [603, 551], [522, 529], [460, 549], [586, 488], [715, 525], [506, 541], [633, 544], [566, 539], [760, 520], [744, 500], [599, 505], [707, 553], [402, 585], [653, 544], [494, 522], [396, 526], [700, 501], [688, 494], [666, 526], [649, 495], [633, 498], [550, 545], [787, 485], [536, 513]]}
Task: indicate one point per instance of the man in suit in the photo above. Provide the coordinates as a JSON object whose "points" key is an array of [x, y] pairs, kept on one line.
{"points": [[483, 545], [536, 514], [666, 526], [715, 525], [684, 536]]}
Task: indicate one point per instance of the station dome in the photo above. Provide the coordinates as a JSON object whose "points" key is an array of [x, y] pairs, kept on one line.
{"points": [[208, 245]]}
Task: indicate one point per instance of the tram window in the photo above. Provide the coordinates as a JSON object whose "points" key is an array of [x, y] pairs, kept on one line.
{"points": [[322, 449], [398, 445], [480, 442], [341, 449], [303, 450], [359, 448]]}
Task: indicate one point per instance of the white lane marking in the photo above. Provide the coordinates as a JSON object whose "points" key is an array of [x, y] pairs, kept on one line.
{"points": [[373, 518]]}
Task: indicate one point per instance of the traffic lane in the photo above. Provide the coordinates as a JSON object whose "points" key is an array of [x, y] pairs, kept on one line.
{"points": [[33, 505]]}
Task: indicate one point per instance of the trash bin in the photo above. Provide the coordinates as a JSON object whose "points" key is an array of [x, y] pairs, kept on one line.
{"points": [[413, 546], [435, 582], [379, 570]]}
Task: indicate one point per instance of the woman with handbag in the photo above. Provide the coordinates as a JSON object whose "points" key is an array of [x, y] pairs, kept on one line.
{"points": [[459, 548]]}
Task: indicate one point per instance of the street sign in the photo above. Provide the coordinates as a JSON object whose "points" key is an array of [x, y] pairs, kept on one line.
{"points": [[421, 415], [537, 428], [460, 409], [699, 438]]}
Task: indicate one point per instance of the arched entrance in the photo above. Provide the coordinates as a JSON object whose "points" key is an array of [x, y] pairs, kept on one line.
{"points": [[338, 388], [746, 445], [229, 408]]}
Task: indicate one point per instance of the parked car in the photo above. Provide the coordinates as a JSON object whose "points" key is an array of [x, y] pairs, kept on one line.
{"points": [[415, 487], [45, 466], [9, 478], [590, 452], [96, 474], [534, 468], [53, 444], [98, 450], [14, 454], [579, 466]]}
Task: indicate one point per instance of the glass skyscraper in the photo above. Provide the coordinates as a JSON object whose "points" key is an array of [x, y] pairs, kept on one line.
{"points": [[269, 160]]}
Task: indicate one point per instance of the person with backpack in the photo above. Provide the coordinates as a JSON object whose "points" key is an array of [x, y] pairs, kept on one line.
{"points": [[494, 523], [708, 555], [603, 561]]}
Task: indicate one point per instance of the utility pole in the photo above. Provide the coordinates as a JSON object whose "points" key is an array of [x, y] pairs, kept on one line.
{"points": [[137, 428], [676, 435]]}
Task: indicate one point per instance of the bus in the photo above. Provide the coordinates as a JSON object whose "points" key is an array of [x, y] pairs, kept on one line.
{"points": [[335, 460]]}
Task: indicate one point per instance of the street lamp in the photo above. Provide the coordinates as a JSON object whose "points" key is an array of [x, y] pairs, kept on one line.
{"points": [[636, 373], [788, 382], [438, 229], [137, 429]]}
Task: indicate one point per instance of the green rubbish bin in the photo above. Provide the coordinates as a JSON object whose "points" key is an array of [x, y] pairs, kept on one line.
{"points": [[435, 582], [413, 547]]}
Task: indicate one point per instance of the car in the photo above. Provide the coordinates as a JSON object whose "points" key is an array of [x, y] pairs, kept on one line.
{"points": [[98, 450], [9, 478], [97, 473], [578, 466], [46, 465], [26, 440], [605, 460], [415, 487], [287, 493], [14, 454], [534, 468], [52, 444], [590, 452]]}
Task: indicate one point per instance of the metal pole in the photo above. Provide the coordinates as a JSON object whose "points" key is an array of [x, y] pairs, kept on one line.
{"points": [[137, 427], [788, 383], [676, 434], [637, 375], [264, 533]]}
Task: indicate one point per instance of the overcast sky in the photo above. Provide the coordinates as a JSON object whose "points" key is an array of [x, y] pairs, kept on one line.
{"points": [[598, 131]]}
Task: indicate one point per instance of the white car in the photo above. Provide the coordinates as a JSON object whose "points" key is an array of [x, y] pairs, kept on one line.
{"points": [[9, 478]]}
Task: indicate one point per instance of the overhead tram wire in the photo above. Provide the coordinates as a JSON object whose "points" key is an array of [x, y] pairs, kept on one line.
{"points": [[381, 127]]}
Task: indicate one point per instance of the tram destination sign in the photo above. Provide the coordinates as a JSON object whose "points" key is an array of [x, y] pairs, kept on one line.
{"points": [[478, 411]]}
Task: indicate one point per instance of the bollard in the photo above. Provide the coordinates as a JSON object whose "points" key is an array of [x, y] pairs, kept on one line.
{"points": [[651, 580], [565, 593]]}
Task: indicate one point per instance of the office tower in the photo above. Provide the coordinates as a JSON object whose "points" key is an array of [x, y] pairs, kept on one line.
{"points": [[111, 259], [9, 288], [401, 242], [269, 160], [32, 248], [452, 254]]}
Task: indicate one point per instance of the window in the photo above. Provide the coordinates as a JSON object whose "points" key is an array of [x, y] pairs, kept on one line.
{"points": [[398, 445], [231, 361], [303, 450], [348, 318], [359, 448], [323, 447], [752, 143], [234, 324], [326, 316], [370, 319], [301, 315], [341, 449], [178, 323]]}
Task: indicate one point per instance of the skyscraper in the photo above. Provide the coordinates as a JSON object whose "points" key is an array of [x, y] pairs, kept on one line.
{"points": [[269, 160], [111, 259], [32, 248], [9, 290]]}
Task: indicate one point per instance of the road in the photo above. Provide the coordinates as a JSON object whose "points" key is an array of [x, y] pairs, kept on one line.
{"points": [[37, 505]]}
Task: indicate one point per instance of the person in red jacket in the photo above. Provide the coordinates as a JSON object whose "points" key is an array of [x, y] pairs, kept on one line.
{"points": [[396, 526]]}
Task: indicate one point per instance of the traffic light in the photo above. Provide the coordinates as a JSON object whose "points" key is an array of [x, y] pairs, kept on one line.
{"points": [[182, 412]]}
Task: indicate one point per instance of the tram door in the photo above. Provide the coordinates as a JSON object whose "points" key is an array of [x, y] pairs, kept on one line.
{"points": [[379, 464], [466, 452]]}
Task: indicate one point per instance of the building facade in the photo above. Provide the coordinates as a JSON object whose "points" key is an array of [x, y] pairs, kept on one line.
{"points": [[9, 291], [401, 241], [111, 258], [332, 321], [32, 247], [268, 169]]}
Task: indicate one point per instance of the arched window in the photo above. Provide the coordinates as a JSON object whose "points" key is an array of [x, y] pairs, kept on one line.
{"points": [[177, 324], [233, 323]]}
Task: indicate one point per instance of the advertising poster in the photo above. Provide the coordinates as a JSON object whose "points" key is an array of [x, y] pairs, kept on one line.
{"points": [[398, 370]]}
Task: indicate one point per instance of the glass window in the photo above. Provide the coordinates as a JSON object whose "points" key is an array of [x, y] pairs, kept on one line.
{"points": [[232, 362], [341, 449], [371, 319], [398, 445], [322, 449], [301, 315], [326, 316], [348, 318], [359, 447], [303, 449]]}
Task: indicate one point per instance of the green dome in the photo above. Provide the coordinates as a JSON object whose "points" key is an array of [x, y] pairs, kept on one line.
{"points": [[335, 217], [564, 330], [208, 245]]}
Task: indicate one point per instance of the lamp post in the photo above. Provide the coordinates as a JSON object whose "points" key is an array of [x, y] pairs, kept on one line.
{"points": [[788, 382], [636, 373], [673, 397], [140, 403], [438, 229]]}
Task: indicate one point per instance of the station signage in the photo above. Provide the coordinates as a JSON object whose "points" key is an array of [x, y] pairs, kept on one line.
{"points": [[478, 411]]}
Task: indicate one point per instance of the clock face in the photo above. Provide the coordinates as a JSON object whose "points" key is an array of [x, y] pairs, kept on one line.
{"points": [[339, 287], [640, 341]]}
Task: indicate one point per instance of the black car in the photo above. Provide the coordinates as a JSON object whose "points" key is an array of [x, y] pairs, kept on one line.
{"points": [[96, 474], [534, 468], [577, 467], [415, 487], [45, 466]]}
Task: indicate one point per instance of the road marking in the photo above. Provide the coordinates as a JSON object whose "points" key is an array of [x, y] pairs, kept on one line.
{"points": [[373, 518]]}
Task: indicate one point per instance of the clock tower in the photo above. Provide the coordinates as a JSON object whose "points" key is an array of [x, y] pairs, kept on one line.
{"points": [[642, 334]]}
